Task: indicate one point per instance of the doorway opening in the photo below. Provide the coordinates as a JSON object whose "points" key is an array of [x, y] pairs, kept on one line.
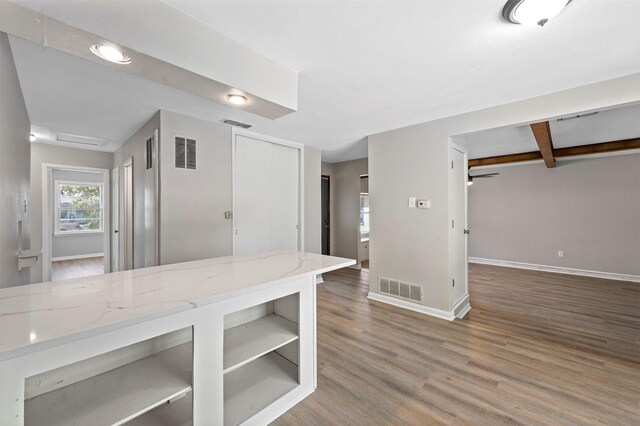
{"points": [[75, 222], [326, 214], [363, 229]]}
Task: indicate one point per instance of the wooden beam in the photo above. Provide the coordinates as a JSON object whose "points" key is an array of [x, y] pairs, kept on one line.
{"points": [[596, 148], [542, 133], [503, 159]]}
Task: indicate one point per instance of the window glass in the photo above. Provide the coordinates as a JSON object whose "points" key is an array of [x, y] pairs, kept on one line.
{"points": [[364, 213], [79, 207]]}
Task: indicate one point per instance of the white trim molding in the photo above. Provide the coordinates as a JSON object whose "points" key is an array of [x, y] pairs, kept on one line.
{"points": [[557, 269], [319, 279], [449, 316], [77, 256], [463, 307]]}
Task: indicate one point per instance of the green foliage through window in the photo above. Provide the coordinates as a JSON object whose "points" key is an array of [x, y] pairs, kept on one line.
{"points": [[79, 207]]}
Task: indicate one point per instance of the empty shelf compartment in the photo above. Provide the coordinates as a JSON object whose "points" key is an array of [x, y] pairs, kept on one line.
{"points": [[246, 342], [118, 395], [256, 385]]}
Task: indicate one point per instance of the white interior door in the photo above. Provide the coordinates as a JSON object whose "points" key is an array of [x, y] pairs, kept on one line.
{"points": [[266, 196], [115, 220], [458, 212]]}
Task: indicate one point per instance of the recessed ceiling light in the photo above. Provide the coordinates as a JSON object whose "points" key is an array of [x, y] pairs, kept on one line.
{"points": [[110, 53], [32, 137], [532, 12], [236, 99]]}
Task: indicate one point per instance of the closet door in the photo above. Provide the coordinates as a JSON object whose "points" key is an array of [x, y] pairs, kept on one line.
{"points": [[266, 196]]}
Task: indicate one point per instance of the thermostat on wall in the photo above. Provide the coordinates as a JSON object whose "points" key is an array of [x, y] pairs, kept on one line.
{"points": [[424, 204]]}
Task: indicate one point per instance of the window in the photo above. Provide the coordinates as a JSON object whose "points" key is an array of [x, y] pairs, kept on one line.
{"points": [[79, 207], [364, 215]]}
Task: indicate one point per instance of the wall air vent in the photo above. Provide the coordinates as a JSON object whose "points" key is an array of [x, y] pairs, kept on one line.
{"points": [[235, 123], [82, 140], [185, 153], [400, 289]]}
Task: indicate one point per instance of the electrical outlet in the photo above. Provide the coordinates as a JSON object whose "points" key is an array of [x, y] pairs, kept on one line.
{"points": [[560, 253]]}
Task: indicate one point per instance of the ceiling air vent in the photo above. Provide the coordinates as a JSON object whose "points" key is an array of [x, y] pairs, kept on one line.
{"points": [[82, 140], [185, 153], [400, 289], [235, 123]]}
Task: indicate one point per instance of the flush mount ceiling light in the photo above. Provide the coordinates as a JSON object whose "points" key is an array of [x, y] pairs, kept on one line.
{"points": [[236, 99], [32, 137], [532, 12], [110, 53]]}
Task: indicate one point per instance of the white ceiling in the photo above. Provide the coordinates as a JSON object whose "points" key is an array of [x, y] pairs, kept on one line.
{"points": [[364, 67], [606, 126]]}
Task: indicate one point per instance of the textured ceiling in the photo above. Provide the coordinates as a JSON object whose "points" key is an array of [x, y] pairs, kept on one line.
{"points": [[367, 67]]}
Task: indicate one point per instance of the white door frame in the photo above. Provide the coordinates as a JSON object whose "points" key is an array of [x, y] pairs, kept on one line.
{"points": [[235, 132], [466, 224], [48, 208], [115, 219], [123, 229]]}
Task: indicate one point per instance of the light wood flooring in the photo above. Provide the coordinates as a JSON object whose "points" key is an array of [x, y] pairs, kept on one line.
{"points": [[537, 348], [77, 268]]}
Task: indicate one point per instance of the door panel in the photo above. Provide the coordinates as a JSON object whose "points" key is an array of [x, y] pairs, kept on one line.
{"points": [[266, 194], [458, 214], [115, 220]]}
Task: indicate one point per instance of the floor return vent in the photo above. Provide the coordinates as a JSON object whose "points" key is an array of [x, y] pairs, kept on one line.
{"points": [[400, 289]]}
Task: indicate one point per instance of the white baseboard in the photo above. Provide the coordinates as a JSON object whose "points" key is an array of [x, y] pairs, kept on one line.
{"points": [[77, 256], [411, 306], [358, 267], [463, 307], [556, 269]]}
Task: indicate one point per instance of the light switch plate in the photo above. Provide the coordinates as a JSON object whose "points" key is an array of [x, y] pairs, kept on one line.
{"points": [[412, 202]]}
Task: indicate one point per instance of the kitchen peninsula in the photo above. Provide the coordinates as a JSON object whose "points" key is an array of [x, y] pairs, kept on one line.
{"points": [[222, 341]]}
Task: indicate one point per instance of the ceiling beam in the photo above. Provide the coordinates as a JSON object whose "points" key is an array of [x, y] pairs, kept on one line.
{"points": [[542, 133], [504, 159], [596, 148]]}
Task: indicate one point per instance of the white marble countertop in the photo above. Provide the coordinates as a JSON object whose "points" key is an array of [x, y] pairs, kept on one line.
{"points": [[37, 315]]}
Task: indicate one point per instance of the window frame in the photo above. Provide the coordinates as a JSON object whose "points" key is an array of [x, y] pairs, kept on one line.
{"points": [[57, 208]]}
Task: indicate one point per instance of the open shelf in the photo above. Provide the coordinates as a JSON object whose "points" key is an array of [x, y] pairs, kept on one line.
{"points": [[256, 385], [176, 413], [117, 396], [246, 342]]}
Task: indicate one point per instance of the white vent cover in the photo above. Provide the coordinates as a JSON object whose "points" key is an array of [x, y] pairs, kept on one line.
{"points": [[79, 139], [235, 123], [185, 153], [400, 289]]}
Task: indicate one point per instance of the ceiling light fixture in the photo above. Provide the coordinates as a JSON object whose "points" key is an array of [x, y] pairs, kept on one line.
{"points": [[532, 12], [236, 99], [32, 137], [110, 53]]}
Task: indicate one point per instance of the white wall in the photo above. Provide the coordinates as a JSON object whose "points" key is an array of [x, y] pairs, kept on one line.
{"points": [[143, 187], [588, 208], [346, 206], [193, 202], [412, 244], [14, 168], [50, 154], [312, 200], [77, 244]]}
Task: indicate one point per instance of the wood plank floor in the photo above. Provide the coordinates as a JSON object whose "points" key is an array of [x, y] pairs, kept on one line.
{"points": [[77, 268], [505, 363]]}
